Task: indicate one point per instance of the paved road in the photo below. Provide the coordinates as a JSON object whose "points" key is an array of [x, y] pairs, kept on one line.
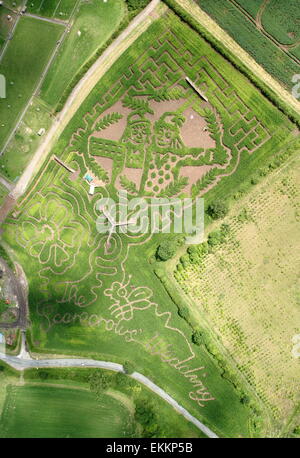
{"points": [[11, 33], [212, 27], [20, 363], [37, 88], [59, 43]]}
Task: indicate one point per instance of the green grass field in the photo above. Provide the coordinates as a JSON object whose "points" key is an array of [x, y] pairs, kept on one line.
{"points": [[40, 411], [5, 24], [112, 414], [246, 34], [60, 9], [25, 140], [281, 20], [94, 23], [27, 54], [110, 304]]}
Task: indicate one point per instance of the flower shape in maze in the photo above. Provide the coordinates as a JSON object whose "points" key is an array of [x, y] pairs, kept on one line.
{"points": [[50, 234]]}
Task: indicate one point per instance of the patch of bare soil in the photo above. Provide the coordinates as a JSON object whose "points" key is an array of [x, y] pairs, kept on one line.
{"points": [[75, 175], [134, 175], [194, 131], [106, 163], [194, 173], [160, 108]]}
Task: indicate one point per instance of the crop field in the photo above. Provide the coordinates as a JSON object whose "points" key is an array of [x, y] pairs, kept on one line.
{"points": [[143, 130], [270, 34], [60, 9], [248, 289], [27, 53], [94, 23], [44, 411], [282, 21], [25, 140]]}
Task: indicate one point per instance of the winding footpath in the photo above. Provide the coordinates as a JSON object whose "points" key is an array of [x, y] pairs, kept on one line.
{"points": [[24, 361]]}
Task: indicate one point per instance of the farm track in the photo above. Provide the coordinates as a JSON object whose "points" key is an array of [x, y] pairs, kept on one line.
{"points": [[206, 21], [20, 364], [82, 90]]}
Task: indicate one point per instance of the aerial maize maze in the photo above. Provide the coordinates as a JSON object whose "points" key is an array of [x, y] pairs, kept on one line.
{"points": [[145, 130]]}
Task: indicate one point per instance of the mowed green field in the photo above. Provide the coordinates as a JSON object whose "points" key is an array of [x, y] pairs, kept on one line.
{"points": [[53, 412], [94, 23], [110, 413], [60, 9], [5, 24], [279, 64], [25, 140], [22, 65], [109, 304]]}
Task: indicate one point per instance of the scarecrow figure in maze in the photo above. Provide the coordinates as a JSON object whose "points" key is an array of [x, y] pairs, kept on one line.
{"points": [[148, 145], [136, 139], [167, 131]]}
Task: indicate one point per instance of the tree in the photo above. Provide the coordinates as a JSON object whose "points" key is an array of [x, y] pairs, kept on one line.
{"points": [[99, 382], [166, 250], [218, 209], [128, 367], [136, 4], [197, 338], [183, 311]]}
